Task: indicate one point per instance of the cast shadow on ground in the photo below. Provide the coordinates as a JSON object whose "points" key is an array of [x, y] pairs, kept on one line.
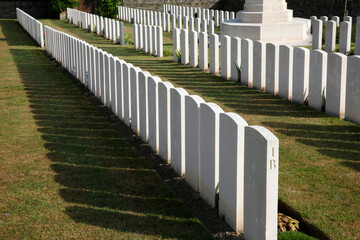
{"points": [[93, 164]]}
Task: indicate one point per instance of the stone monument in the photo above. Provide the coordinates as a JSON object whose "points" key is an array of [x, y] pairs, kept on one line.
{"points": [[268, 21]]}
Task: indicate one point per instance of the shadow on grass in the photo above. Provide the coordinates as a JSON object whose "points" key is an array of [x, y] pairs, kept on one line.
{"points": [[15, 38], [105, 179], [339, 142]]}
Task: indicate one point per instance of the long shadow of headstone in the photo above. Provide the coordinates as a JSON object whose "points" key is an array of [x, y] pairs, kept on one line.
{"points": [[106, 182]]}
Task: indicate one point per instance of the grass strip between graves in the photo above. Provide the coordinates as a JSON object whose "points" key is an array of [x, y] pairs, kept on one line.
{"points": [[65, 172], [319, 154]]}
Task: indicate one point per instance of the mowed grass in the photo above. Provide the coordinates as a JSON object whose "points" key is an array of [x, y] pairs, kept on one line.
{"points": [[319, 154], [65, 172]]}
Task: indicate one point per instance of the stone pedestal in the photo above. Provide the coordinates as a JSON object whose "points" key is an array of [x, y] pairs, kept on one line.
{"points": [[268, 21]]}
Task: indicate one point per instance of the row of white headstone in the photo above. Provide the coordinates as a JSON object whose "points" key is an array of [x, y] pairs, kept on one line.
{"points": [[298, 74], [330, 34], [110, 29], [165, 20], [149, 39], [145, 17], [216, 152], [31, 25], [203, 13]]}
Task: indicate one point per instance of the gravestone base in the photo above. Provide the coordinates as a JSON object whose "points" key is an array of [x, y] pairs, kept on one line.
{"points": [[295, 32]]}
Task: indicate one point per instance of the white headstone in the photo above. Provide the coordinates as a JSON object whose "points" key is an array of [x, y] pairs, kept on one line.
{"points": [[204, 24], [345, 37], [324, 19], [176, 44], [246, 62], [164, 121], [317, 34], [143, 106], [317, 78], [203, 51], [145, 39], [126, 91], [153, 105], [140, 37], [211, 27], [154, 40], [286, 56], [352, 101], [194, 51], [301, 75], [225, 57], [119, 88], [336, 84], [173, 22], [136, 36], [330, 36], [357, 40], [261, 174], [259, 60], [217, 18], [214, 53], [159, 48], [235, 58], [272, 68], [209, 152], [107, 80], [113, 86], [197, 25], [134, 96], [337, 20], [177, 119], [184, 46], [149, 39], [179, 22], [231, 169], [122, 41], [192, 140]]}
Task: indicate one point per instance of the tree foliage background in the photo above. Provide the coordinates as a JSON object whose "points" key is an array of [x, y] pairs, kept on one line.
{"points": [[107, 8], [58, 6]]}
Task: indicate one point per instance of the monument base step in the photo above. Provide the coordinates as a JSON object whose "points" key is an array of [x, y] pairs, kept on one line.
{"points": [[295, 33]]}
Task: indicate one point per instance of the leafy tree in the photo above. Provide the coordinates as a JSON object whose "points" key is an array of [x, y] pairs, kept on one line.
{"points": [[107, 8], [58, 6]]}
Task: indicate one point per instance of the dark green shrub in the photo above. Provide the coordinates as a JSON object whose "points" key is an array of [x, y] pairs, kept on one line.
{"points": [[58, 6], [107, 8]]}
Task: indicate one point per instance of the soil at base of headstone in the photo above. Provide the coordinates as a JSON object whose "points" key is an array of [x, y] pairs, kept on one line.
{"points": [[206, 214]]}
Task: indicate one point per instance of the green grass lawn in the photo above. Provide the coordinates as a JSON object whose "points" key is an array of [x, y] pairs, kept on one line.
{"points": [[319, 154], [65, 172]]}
